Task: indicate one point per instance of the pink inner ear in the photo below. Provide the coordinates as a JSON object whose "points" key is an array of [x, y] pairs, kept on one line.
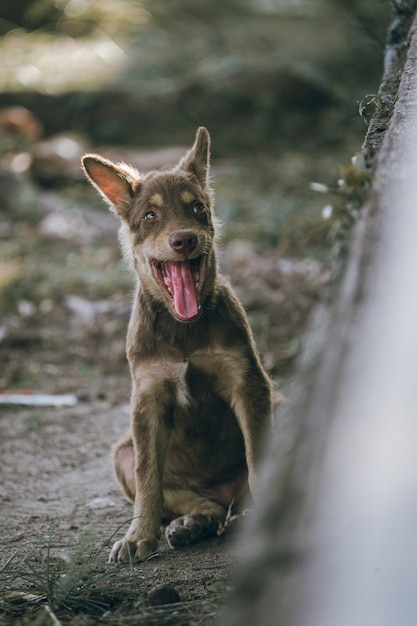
{"points": [[111, 184], [116, 189]]}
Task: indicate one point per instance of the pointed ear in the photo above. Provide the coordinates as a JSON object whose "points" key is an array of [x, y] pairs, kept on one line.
{"points": [[197, 160], [116, 183]]}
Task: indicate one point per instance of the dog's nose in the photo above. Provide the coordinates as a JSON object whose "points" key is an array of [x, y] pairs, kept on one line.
{"points": [[183, 241]]}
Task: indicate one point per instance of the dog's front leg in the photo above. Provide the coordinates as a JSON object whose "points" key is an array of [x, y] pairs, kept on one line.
{"points": [[254, 420], [249, 394], [150, 436]]}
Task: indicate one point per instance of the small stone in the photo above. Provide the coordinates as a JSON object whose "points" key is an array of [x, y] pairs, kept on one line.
{"points": [[99, 503], [163, 594]]}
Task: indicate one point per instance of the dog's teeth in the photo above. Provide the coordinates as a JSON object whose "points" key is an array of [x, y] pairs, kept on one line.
{"points": [[167, 281]]}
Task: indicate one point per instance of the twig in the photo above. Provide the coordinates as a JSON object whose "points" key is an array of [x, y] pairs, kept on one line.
{"points": [[55, 620]]}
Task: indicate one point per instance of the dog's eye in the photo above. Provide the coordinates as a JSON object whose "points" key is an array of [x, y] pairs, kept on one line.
{"points": [[149, 216], [198, 207]]}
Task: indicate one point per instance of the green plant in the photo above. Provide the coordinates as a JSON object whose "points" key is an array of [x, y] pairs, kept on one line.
{"points": [[348, 194], [34, 423]]}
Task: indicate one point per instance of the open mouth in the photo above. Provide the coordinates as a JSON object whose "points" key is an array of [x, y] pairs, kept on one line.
{"points": [[182, 284]]}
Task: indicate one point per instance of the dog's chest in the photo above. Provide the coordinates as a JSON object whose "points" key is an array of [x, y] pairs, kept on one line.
{"points": [[201, 382], [215, 371], [195, 398], [206, 439]]}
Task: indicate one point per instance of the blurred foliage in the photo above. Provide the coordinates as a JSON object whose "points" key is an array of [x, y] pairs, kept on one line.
{"points": [[74, 18], [268, 77], [347, 195], [370, 17], [259, 73], [169, 44], [333, 46], [42, 270], [271, 204]]}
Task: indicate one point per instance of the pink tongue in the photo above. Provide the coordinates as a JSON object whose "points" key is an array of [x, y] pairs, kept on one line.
{"points": [[182, 285]]}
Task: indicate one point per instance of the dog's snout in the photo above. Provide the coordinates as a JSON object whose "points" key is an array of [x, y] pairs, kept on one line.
{"points": [[183, 241]]}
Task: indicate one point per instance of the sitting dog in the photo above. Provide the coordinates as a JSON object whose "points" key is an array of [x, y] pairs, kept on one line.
{"points": [[201, 401]]}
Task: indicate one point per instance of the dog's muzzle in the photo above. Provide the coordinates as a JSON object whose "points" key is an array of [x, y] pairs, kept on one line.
{"points": [[182, 284]]}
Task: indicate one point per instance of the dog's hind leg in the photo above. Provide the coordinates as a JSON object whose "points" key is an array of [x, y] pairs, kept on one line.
{"points": [[124, 465], [200, 517]]}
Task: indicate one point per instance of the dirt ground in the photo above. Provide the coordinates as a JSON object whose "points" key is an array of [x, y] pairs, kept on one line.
{"points": [[56, 475]]}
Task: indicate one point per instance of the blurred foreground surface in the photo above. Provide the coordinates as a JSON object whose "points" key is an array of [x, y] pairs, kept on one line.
{"points": [[334, 544]]}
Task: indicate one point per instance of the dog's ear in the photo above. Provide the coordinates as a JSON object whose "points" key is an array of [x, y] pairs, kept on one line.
{"points": [[117, 183], [197, 160]]}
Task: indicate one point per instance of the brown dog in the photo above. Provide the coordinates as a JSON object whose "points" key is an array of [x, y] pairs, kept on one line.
{"points": [[201, 401]]}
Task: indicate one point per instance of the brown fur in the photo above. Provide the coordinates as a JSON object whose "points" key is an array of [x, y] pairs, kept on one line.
{"points": [[201, 401]]}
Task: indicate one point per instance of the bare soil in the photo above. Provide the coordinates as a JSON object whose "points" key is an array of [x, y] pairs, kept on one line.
{"points": [[57, 475]]}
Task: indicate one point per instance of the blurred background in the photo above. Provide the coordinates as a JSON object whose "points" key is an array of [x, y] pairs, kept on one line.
{"points": [[278, 84]]}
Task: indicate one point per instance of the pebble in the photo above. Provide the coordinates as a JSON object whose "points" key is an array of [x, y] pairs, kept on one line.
{"points": [[163, 594]]}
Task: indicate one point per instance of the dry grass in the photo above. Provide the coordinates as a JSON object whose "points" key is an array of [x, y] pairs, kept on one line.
{"points": [[40, 585]]}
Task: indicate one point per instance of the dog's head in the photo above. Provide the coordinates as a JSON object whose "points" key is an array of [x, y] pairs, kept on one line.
{"points": [[167, 224]]}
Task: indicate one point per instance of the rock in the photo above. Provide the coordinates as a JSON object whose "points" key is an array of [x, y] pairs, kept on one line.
{"points": [[96, 313], [59, 157], [163, 594], [100, 503], [64, 225], [75, 223], [17, 120]]}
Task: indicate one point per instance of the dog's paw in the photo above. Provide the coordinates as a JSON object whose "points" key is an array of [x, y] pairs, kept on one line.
{"points": [[124, 551], [189, 529]]}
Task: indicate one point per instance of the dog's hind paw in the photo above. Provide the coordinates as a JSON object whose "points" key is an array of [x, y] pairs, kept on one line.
{"points": [[189, 529], [124, 551]]}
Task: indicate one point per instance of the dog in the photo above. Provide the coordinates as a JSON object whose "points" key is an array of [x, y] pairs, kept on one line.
{"points": [[201, 400]]}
